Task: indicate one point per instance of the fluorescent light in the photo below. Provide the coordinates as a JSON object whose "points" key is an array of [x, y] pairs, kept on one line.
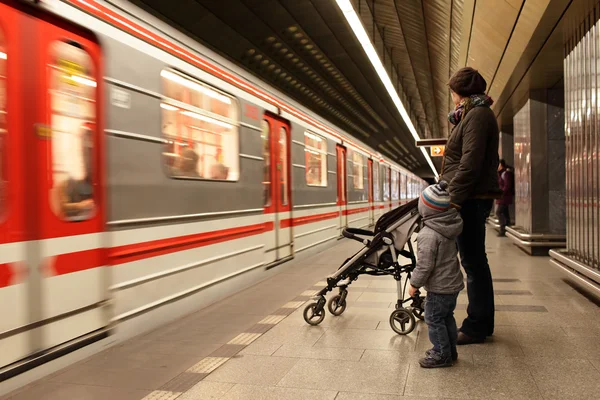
{"points": [[207, 119], [168, 107], [194, 86], [83, 81], [362, 36], [3, 56]]}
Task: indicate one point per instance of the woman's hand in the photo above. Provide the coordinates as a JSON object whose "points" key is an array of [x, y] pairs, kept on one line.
{"points": [[412, 291]]}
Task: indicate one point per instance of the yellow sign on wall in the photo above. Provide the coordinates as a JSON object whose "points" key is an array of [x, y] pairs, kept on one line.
{"points": [[437, 151]]}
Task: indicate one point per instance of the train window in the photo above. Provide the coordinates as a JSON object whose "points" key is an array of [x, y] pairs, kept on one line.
{"points": [[386, 184], [73, 92], [358, 170], [315, 151], [200, 128], [403, 187], [395, 187], [376, 182], [265, 135], [283, 166], [3, 121]]}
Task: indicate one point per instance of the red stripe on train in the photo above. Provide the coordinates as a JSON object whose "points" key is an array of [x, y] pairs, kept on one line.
{"points": [[139, 251], [74, 262], [286, 223], [356, 211]]}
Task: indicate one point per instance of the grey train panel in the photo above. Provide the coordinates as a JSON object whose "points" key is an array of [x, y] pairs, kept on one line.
{"points": [[143, 117], [143, 73], [139, 187], [332, 164]]}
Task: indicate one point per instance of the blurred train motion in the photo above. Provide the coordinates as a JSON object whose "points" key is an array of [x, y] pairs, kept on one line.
{"points": [[142, 180]]}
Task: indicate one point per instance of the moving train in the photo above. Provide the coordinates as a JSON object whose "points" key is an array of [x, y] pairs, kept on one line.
{"points": [[144, 177]]}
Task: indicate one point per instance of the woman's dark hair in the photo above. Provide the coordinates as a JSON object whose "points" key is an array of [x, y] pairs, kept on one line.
{"points": [[467, 81], [503, 163]]}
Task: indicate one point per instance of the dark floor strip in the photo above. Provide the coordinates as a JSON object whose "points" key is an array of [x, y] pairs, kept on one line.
{"points": [[513, 293], [520, 308]]}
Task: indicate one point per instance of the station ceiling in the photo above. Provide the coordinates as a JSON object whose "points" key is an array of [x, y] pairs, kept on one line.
{"points": [[307, 49]]}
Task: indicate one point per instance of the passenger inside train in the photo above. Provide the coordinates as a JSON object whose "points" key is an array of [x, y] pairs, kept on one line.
{"points": [[219, 171], [75, 196], [186, 164]]}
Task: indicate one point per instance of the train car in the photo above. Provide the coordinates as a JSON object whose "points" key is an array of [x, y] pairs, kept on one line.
{"points": [[144, 177]]}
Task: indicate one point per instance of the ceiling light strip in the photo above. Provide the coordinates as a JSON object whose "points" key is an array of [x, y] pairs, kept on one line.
{"points": [[363, 38]]}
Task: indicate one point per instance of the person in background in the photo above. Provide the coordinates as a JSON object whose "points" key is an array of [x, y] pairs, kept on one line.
{"points": [[187, 164], [75, 196], [438, 270], [219, 171], [506, 183], [470, 166]]}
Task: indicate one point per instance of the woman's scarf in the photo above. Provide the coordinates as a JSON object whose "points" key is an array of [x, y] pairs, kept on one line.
{"points": [[466, 105]]}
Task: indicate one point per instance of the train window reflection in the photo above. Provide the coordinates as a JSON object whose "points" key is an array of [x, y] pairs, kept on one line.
{"points": [[200, 129], [265, 135], [376, 195], [386, 184], [358, 170], [315, 151], [283, 166], [73, 91], [3, 121], [395, 187], [403, 187]]}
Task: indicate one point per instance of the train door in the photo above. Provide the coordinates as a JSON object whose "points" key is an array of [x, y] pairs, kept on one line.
{"points": [[15, 342], [342, 190], [371, 198], [65, 183], [276, 139]]}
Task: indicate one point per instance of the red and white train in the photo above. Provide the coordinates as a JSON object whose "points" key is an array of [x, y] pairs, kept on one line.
{"points": [[143, 177]]}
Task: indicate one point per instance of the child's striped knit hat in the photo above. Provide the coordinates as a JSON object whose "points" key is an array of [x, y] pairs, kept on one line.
{"points": [[436, 198]]}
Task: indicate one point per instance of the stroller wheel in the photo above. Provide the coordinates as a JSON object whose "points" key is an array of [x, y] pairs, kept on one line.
{"points": [[337, 305], [312, 314], [402, 321]]}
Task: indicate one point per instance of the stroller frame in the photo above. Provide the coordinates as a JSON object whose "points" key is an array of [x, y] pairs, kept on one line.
{"points": [[402, 319]]}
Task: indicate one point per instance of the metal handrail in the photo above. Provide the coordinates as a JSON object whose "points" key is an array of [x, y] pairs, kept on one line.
{"points": [[526, 243], [576, 265], [523, 235], [588, 283]]}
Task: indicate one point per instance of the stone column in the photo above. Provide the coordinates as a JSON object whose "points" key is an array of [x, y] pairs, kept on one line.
{"points": [[540, 171]]}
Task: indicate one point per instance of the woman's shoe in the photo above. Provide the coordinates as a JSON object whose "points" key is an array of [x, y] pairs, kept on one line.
{"points": [[466, 339]]}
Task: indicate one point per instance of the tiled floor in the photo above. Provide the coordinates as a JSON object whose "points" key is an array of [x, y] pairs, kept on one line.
{"points": [[255, 345]]}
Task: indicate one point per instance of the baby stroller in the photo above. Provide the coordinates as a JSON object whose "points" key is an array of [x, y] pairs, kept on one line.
{"points": [[390, 238]]}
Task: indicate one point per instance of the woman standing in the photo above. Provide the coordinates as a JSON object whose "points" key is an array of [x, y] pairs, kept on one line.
{"points": [[470, 165]]}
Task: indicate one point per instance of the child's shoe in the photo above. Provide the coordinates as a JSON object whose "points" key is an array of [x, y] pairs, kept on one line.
{"points": [[435, 360], [454, 354]]}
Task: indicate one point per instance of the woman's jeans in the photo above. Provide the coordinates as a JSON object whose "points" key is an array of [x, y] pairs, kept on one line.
{"points": [[439, 316], [480, 290]]}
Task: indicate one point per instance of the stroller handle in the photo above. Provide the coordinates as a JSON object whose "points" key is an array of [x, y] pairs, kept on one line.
{"points": [[350, 233], [362, 232]]}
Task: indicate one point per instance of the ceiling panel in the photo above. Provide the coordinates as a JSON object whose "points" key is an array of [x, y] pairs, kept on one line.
{"points": [[490, 35]]}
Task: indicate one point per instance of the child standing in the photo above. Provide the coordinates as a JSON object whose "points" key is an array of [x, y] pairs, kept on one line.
{"points": [[439, 272]]}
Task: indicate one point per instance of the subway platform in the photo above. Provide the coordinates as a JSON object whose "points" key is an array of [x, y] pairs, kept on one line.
{"points": [[256, 345]]}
